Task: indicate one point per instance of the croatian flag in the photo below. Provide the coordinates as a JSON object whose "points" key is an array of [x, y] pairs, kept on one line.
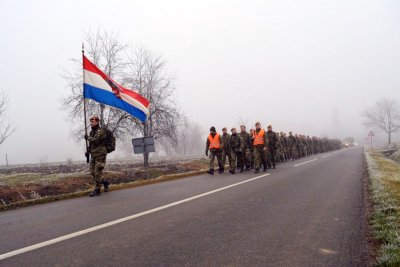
{"points": [[101, 88]]}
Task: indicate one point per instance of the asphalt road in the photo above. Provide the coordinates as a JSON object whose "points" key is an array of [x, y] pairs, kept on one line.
{"points": [[308, 212]]}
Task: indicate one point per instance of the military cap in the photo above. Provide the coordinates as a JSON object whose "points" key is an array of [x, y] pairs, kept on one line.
{"points": [[94, 118]]}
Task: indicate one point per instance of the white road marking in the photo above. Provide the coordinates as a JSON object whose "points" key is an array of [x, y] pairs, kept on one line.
{"points": [[305, 162], [326, 156], [131, 217]]}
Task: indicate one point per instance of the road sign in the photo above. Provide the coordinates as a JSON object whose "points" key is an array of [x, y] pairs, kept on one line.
{"points": [[143, 145], [371, 133]]}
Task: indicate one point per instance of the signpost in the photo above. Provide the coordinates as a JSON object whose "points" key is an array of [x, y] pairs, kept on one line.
{"points": [[144, 145], [371, 134]]}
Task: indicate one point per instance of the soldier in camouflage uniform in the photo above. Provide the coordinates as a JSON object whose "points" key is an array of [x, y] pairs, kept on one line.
{"points": [[237, 148], [247, 147], [303, 146], [273, 143], [260, 143], [98, 153], [251, 149], [291, 143], [284, 145], [279, 150], [226, 144], [297, 151], [309, 145], [315, 144], [325, 144]]}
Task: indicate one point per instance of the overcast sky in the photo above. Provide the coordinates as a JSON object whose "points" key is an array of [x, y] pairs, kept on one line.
{"points": [[307, 66]]}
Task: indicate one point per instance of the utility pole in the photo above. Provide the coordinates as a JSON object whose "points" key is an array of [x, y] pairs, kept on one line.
{"points": [[7, 160]]}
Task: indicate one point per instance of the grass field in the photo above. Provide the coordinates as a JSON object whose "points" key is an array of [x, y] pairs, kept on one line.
{"points": [[384, 176]]}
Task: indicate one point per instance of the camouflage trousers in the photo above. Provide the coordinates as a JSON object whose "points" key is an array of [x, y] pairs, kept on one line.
{"points": [[279, 156], [226, 153], [271, 156], [260, 157], [289, 152], [97, 165], [216, 154], [247, 158], [236, 160], [303, 151]]}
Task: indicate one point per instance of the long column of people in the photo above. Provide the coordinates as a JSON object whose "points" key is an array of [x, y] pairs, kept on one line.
{"points": [[259, 148]]}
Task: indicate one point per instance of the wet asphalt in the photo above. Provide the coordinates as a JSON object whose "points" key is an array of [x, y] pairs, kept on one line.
{"points": [[312, 214]]}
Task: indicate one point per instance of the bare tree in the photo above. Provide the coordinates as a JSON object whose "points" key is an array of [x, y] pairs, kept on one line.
{"points": [[146, 72], [135, 68], [105, 50], [384, 115], [196, 143], [6, 128]]}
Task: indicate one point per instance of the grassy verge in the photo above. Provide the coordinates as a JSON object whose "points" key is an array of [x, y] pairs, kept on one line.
{"points": [[44, 185], [385, 220]]}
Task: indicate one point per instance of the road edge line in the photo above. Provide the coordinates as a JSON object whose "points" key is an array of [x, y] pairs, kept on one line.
{"points": [[121, 220]]}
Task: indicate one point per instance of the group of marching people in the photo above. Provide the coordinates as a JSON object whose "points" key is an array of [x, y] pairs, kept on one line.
{"points": [[249, 150]]}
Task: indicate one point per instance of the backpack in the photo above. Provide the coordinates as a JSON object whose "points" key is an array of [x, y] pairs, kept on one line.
{"points": [[110, 140]]}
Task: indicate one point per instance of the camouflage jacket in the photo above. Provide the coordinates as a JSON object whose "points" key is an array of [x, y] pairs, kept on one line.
{"points": [[273, 140], [284, 142], [226, 141], [97, 145], [247, 140], [309, 143], [237, 143], [291, 141]]}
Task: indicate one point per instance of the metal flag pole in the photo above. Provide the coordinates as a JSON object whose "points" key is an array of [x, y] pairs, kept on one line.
{"points": [[84, 102]]}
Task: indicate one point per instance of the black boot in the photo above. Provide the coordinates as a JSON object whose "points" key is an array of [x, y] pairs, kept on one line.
{"points": [[232, 171], [106, 185], [265, 169], [95, 193], [221, 170], [273, 166], [241, 170], [257, 170], [210, 171], [247, 168]]}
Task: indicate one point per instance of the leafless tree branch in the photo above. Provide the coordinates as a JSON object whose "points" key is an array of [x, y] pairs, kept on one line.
{"points": [[384, 115], [6, 129]]}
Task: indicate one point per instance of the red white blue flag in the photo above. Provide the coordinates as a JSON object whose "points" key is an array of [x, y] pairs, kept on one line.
{"points": [[101, 88]]}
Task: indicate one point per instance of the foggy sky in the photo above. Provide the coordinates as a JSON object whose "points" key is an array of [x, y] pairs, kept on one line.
{"points": [[307, 66]]}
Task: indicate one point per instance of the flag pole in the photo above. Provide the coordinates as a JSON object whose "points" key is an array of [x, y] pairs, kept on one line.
{"points": [[84, 103]]}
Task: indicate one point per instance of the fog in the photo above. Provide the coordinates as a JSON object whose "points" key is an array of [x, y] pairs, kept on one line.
{"points": [[311, 67]]}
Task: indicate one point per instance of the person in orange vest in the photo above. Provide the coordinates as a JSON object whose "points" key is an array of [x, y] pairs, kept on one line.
{"points": [[260, 143], [214, 145]]}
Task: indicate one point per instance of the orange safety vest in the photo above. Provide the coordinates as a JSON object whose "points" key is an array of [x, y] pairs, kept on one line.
{"points": [[214, 142], [258, 138]]}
